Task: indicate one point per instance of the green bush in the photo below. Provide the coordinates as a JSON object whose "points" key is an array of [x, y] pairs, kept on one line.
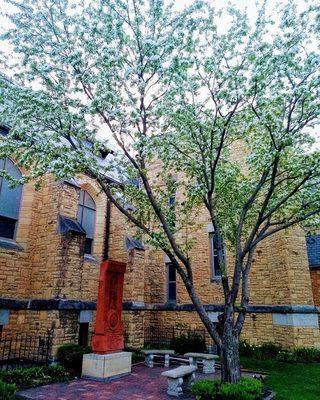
{"points": [[137, 356], [246, 349], [267, 350], [189, 342], [7, 391], [57, 373], [274, 351], [245, 389], [70, 356], [287, 356], [261, 351], [300, 354], [25, 377], [307, 354], [205, 389], [35, 376]]}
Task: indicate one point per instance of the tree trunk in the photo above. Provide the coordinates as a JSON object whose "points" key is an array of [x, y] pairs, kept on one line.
{"points": [[229, 349]]}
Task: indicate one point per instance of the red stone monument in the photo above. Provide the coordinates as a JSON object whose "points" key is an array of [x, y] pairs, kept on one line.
{"points": [[108, 335], [108, 360]]}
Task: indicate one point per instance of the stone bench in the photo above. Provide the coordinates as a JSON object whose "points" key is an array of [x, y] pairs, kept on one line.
{"points": [[180, 379], [149, 356], [208, 361]]}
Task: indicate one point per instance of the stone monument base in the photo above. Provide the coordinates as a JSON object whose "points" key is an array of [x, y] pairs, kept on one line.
{"points": [[104, 367]]}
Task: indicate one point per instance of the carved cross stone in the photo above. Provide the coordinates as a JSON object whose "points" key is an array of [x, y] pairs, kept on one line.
{"points": [[108, 336]]}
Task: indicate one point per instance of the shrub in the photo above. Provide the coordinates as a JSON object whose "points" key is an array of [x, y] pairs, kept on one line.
{"points": [[245, 389], [7, 391], [286, 356], [246, 349], [205, 389], [307, 354], [261, 351], [57, 373], [24, 377], [70, 356], [190, 342], [35, 376], [267, 350], [300, 354], [272, 350]]}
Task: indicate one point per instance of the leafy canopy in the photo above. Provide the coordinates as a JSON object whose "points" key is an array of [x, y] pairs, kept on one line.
{"points": [[222, 121]]}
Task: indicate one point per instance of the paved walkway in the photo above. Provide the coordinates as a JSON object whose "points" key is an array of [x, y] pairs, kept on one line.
{"points": [[142, 384]]}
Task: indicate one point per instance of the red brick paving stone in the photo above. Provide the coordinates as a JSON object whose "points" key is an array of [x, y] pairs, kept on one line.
{"points": [[142, 384]]}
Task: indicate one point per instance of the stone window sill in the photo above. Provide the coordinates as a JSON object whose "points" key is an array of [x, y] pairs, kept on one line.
{"points": [[90, 258], [10, 244], [216, 279], [171, 303]]}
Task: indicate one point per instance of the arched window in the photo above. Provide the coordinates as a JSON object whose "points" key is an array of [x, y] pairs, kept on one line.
{"points": [[87, 218], [10, 199]]}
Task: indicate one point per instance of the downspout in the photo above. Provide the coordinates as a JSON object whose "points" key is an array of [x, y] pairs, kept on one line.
{"points": [[107, 231]]}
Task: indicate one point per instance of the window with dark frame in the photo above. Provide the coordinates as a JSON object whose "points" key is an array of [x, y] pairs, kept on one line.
{"points": [[10, 199], [87, 218], [171, 283], [83, 338], [214, 261]]}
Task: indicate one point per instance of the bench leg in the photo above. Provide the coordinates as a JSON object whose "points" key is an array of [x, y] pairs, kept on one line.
{"points": [[167, 360], [208, 366], [148, 362], [192, 361], [188, 381], [175, 387]]}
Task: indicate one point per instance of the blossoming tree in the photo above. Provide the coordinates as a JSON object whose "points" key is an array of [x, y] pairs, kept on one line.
{"points": [[172, 89]]}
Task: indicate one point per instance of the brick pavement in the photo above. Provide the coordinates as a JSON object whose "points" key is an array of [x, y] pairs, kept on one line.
{"points": [[142, 384]]}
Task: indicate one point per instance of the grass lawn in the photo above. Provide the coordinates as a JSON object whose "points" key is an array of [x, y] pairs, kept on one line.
{"points": [[290, 381]]}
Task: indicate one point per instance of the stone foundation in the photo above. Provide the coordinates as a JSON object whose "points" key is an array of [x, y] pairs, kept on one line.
{"points": [[289, 329], [103, 367], [301, 329], [62, 325]]}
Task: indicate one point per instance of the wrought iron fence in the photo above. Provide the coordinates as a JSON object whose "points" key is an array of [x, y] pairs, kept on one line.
{"points": [[24, 350], [157, 336], [161, 337]]}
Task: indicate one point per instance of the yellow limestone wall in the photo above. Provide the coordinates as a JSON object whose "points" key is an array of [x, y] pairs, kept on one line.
{"points": [[52, 266]]}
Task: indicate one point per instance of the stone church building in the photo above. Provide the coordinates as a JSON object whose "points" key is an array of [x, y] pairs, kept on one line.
{"points": [[53, 240]]}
